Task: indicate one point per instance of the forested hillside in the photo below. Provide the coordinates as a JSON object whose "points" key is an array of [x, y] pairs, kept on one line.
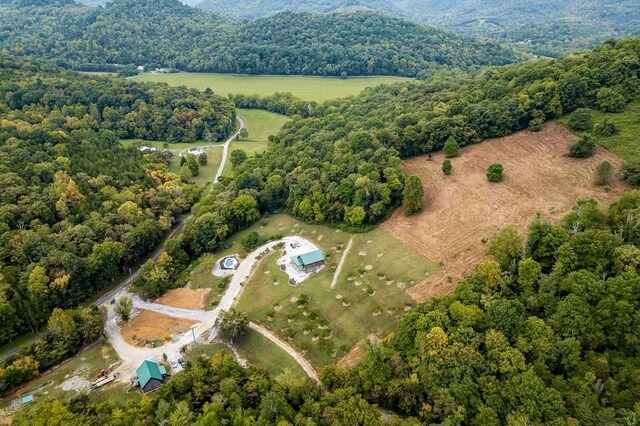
{"points": [[166, 33], [544, 27], [251, 9], [547, 333], [76, 208]]}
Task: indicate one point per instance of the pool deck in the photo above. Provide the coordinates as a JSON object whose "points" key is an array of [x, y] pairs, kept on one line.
{"points": [[219, 271]]}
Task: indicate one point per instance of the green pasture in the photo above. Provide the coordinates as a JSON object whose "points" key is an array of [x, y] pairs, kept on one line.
{"points": [[260, 125], [625, 142], [377, 271], [308, 88]]}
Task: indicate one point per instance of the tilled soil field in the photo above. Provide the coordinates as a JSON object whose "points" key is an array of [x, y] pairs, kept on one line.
{"points": [[464, 208]]}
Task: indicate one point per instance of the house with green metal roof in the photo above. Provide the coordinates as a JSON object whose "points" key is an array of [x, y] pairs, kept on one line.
{"points": [[309, 261], [150, 376]]}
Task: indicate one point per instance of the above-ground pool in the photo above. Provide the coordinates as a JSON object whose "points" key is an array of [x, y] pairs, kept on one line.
{"points": [[230, 262]]}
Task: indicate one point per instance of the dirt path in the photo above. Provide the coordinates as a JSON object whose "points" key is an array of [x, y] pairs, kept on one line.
{"points": [[306, 365], [334, 281]]}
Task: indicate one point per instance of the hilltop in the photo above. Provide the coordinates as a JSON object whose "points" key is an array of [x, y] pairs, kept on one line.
{"points": [[166, 33]]}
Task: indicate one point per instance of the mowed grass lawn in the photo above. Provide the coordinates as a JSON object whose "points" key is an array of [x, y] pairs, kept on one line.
{"points": [[260, 125], [625, 142], [259, 351], [318, 89], [85, 365], [372, 284]]}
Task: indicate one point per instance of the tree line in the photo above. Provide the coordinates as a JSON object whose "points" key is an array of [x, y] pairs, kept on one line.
{"points": [[67, 101], [68, 331], [168, 34]]}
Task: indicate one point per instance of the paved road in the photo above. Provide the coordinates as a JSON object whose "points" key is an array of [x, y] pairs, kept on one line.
{"points": [[106, 298]]}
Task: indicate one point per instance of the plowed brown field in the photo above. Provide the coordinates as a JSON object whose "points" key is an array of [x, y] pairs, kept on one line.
{"points": [[465, 207]]}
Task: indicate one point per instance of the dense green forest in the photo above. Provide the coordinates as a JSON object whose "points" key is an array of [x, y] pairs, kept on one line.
{"points": [[76, 208], [544, 27], [546, 333], [252, 9], [165, 33]]}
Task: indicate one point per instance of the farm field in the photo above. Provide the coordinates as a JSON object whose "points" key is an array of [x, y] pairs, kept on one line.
{"points": [[369, 296], [82, 368], [464, 210], [625, 142], [260, 124], [308, 88]]}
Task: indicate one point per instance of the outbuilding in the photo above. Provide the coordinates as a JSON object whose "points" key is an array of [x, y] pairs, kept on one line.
{"points": [[150, 376], [309, 261]]}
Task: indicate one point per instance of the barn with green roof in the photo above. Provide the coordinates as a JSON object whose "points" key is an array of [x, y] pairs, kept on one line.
{"points": [[309, 261], [151, 376]]}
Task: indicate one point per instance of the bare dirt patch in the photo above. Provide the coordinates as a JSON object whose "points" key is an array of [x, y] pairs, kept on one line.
{"points": [[355, 354], [185, 298], [464, 208], [151, 325]]}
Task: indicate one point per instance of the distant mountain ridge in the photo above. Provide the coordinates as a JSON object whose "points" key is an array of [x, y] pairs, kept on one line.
{"points": [[547, 27], [166, 33]]}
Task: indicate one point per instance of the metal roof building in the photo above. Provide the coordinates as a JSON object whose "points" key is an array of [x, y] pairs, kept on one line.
{"points": [[150, 376]]}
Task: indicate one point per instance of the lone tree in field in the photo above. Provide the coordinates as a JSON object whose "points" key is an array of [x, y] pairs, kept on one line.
{"points": [[451, 148], [581, 120], [123, 308], [243, 134], [447, 168], [603, 173], [412, 195], [237, 157], [584, 148], [232, 324], [494, 172]]}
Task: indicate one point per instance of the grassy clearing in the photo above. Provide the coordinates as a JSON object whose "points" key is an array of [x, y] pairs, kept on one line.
{"points": [[625, 142], [207, 172], [85, 365], [258, 350], [308, 88], [260, 124], [261, 352], [372, 284]]}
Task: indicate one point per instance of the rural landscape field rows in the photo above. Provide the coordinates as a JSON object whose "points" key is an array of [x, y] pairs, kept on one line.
{"points": [[464, 211]]}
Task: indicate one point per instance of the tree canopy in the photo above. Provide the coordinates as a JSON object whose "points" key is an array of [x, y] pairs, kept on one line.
{"points": [[168, 34]]}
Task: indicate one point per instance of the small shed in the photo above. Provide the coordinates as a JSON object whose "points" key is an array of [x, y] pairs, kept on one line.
{"points": [[150, 376], [309, 261]]}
